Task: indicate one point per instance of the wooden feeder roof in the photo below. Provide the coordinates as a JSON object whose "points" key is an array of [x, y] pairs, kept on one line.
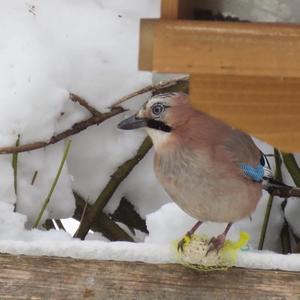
{"points": [[247, 74]]}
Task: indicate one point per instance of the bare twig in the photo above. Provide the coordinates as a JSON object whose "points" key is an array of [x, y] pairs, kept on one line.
{"points": [[83, 103], [85, 206], [119, 175], [76, 128], [275, 187], [126, 213], [285, 233], [153, 88], [96, 119], [285, 238], [59, 224], [294, 170], [34, 177], [49, 224], [15, 164], [283, 191], [103, 223]]}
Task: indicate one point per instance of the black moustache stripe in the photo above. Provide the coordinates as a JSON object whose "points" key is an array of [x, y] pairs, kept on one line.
{"points": [[159, 125]]}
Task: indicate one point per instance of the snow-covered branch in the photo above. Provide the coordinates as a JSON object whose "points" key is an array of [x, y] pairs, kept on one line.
{"points": [[76, 128], [155, 88], [85, 104]]}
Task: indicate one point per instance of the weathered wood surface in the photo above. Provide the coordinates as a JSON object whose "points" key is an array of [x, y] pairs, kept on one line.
{"points": [[25, 277], [268, 108], [254, 49]]}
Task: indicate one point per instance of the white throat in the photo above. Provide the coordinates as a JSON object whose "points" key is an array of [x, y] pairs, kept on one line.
{"points": [[158, 137]]}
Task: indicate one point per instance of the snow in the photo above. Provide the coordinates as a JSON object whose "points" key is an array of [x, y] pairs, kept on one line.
{"points": [[29, 194], [170, 223], [125, 251], [87, 48], [53, 47]]}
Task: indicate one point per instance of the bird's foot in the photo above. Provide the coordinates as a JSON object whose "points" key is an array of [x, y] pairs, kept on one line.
{"points": [[183, 242], [216, 243]]}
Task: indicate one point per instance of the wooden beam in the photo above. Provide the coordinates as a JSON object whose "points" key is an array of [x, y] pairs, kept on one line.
{"points": [[222, 48], [268, 108], [25, 277], [177, 9]]}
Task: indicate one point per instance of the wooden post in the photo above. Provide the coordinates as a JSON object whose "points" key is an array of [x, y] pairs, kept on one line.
{"points": [[177, 9]]}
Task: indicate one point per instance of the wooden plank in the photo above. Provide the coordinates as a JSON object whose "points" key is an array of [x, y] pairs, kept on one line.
{"points": [[223, 48], [25, 277], [268, 108], [177, 9]]}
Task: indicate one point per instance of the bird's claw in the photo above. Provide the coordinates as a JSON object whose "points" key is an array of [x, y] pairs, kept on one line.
{"points": [[216, 243], [182, 243]]}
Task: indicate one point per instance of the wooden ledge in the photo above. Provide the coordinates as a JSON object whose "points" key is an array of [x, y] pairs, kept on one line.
{"points": [[224, 48], [26, 277]]}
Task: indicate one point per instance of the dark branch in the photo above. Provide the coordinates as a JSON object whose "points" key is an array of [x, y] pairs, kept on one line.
{"points": [[83, 103], [59, 224], [153, 88], [76, 128], [97, 117], [282, 191], [49, 224], [102, 223], [119, 175], [127, 214]]}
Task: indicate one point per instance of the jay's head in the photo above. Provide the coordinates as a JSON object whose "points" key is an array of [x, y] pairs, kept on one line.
{"points": [[160, 115]]}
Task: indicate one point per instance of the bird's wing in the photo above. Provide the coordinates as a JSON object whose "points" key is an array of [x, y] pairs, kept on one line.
{"points": [[243, 151]]}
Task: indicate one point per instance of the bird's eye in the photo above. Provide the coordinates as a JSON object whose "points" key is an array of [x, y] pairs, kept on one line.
{"points": [[157, 109]]}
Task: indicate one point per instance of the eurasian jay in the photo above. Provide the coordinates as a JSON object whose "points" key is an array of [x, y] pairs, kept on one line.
{"points": [[212, 171]]}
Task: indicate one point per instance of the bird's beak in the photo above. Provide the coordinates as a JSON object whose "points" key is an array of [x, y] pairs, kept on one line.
{"points": [[133, 122]]}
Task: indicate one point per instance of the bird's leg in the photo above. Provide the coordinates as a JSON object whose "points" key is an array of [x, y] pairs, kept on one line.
{"points": [[188, 235], [216, 243]]}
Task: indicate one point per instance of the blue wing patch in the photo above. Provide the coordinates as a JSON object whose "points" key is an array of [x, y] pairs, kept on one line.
{"points": [[256, 174]]}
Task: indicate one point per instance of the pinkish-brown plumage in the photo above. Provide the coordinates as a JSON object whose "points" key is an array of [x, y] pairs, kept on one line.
{"points": [[198, 165], [198, 160]]}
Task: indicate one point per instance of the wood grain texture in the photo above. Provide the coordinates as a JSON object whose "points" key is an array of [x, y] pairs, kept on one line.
{"points": [[268, 108], [170, 10], [25, 277], [177, 9], [253, 49], [146, 43]]}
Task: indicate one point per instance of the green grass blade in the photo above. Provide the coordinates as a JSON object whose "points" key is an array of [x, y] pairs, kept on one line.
{"points": [[47, 199], [292, 166], [277, 176]]}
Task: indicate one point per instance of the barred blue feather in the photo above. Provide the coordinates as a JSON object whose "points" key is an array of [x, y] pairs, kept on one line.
{"points": [[256, 174]]}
